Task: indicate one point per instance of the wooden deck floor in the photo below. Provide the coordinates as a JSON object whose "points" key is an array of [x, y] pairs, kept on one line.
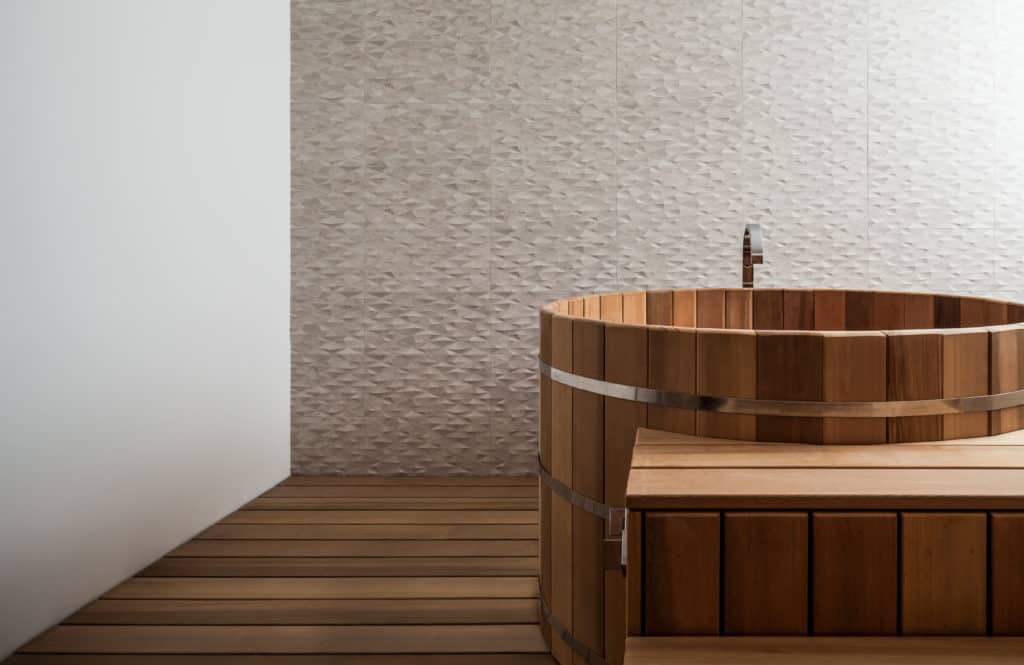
{"points": [[347, 571]]}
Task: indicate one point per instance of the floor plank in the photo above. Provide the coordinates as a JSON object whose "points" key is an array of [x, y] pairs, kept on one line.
{"points": [[289, 639], [422, 491], [326, 587], [308, 612], [356, 548], [392, 503], [371, 531], [406, 481], [340, 566], [289, 659], [382, 517]]}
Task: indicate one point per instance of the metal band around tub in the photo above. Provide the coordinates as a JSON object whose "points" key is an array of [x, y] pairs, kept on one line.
{"points": [[581, 649], [775, 407], [615, 518]]}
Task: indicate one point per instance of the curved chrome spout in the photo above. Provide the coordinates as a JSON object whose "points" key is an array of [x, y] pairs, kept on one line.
{"points": [[753, 252]]}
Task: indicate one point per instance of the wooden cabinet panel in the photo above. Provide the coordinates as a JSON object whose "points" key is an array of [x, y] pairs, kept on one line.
{"points": [[855, 574], [1007, 573], [681, 573], [765, 574], [944, 573]]}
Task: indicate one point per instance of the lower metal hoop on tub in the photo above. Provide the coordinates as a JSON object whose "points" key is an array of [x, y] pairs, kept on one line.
{"points": [[578, 647]]}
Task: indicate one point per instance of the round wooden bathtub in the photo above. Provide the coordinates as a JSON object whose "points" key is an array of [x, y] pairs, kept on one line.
{"points": [[810, 366]]}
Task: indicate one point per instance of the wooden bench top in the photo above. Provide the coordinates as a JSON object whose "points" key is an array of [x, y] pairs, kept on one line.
{"points": [[680, 472], [830, 650]]}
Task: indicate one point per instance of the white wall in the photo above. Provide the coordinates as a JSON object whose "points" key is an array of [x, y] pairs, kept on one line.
{"points": [[144, 269]]}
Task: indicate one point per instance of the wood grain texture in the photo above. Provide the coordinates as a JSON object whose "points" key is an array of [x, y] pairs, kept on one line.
{"points": [[355, 548], [821, 650], [307, 612], [339, 566], [325, 587], [727, 367], [739, 309], [789, 367], [369, 532], [1007, 573], [588, 411], [592, 307], [393, 491], [611, 307], [288, 639], [615, 627], [587, 611], [283, 659], [684, 308], [947, 311], [711, 308], [965, 367], [634, 307], [981, 312], [825, 489], [855, 573], [682, 573], [889, 311], [649, 437], [918, 310], [625, 362], [672, 365], [659, 308], [398, 502], [561, 573], [561, 469], [854, 370], [860, 310], [405, 481], [768, 309], [765, 574], [626, 351], [544, 454], [737, 454], [798, 309], [944, 573], [382, 517], [635, 522], [829, 310], [914, 366], [1006, 374]]}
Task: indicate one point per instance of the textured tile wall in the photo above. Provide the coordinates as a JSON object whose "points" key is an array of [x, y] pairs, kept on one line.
{"points": [[456, 163]]}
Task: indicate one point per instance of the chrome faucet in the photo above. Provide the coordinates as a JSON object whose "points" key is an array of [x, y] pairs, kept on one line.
{"points": [[753, 253]]}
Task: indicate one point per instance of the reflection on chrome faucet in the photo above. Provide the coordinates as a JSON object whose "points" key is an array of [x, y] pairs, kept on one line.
{"points": [[753, 252]]}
